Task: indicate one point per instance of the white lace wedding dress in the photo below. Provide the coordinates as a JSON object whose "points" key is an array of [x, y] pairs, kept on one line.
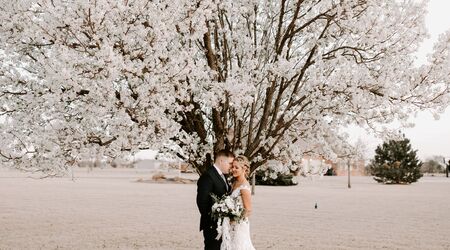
{"points": [[239, 233]]}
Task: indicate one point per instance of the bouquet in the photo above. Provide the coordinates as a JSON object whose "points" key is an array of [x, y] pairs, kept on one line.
{"points": [[224, 210]]}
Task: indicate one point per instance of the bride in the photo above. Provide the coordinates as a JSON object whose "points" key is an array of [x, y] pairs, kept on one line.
{"points": [[240, 231]]}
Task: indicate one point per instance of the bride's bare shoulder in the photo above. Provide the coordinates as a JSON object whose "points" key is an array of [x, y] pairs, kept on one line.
{"points": [[245, 185]]}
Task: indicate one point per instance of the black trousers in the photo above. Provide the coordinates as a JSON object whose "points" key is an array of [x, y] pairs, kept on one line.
{"points": [[210, 235]]}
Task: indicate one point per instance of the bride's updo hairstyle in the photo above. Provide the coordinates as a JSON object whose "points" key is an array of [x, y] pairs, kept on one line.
{"points": [[245, 164]]}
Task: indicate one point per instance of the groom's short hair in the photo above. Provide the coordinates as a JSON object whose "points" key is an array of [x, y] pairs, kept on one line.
{"points": [[223, 153]]}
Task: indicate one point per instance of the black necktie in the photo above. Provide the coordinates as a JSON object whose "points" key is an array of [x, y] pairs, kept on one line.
{"points": [[226, 182]]}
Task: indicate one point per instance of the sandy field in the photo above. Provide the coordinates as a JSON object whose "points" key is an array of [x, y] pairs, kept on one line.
{"points": [[108, 209]]}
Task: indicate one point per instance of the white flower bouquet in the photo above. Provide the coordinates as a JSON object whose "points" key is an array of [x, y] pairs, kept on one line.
{"points": [[225, 210], [227, 206]]}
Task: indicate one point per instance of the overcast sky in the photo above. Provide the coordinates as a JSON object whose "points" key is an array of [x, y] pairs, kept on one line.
{"points": [[429, 136]]}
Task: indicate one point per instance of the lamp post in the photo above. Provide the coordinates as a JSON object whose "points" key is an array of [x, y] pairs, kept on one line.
{"points": [[447, 166]]}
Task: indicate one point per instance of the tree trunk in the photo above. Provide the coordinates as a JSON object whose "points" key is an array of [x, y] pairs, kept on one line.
{"points": [[253, 182], [348, 167]]}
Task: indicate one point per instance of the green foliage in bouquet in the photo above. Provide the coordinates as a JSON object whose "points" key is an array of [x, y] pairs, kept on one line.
{"points": [[395, 162]]}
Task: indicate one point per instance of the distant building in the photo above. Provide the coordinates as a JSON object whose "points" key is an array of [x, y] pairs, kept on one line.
{"points": [[149, 164], [357, 168], [314, 165], [163, 165]]}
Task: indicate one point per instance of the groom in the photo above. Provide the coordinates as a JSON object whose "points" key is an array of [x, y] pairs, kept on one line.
{"points": [[213, 181]]}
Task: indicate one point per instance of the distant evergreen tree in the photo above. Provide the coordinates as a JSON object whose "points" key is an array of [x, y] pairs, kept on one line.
{"points": [[396, 162]]}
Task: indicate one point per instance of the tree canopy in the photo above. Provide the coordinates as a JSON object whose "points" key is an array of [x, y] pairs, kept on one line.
{"points": [[267, 79]]}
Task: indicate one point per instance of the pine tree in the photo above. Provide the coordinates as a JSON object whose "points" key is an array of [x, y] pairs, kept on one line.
{"points": [[396, 162]]}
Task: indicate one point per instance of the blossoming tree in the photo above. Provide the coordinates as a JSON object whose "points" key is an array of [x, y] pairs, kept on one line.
{"points": [[268, 79]]}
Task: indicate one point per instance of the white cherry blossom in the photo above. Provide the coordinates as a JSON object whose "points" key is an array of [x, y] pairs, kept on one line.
{"points": [[269, 79]]}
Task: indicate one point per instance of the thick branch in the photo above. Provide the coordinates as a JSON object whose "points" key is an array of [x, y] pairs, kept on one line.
{"points": [[97, 140]]}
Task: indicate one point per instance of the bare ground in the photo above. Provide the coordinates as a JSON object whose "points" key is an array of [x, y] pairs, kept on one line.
{"points": [[108, 209]]}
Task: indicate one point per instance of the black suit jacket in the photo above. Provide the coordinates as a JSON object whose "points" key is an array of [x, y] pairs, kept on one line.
{"points": [[209, 182]]}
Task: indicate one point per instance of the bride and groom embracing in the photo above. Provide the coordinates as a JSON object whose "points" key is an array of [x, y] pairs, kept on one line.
{"points": [[235, 235]]}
